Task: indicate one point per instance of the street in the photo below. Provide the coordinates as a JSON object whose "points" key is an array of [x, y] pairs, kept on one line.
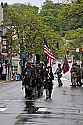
{"points": [[65, 108], [41, 41]]}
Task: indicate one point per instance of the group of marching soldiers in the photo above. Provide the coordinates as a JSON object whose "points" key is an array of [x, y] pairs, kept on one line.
{"points": [[35, 78]]}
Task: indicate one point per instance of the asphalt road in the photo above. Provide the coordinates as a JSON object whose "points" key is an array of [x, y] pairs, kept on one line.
{"points": [[65, 108]]}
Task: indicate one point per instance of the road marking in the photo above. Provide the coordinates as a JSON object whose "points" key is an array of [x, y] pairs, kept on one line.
{"points": [[2, 109], [42, 109]]}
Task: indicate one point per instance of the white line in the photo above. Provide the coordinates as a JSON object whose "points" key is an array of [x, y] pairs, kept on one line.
{"points": [[2, 109]]}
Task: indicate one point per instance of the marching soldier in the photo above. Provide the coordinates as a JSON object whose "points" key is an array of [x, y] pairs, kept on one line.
{"points": [[27, 80], [39, 79], [48, 82], [59, 75]]}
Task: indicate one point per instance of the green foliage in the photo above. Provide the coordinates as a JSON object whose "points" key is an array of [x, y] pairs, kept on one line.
{"points": [[54, 22]]}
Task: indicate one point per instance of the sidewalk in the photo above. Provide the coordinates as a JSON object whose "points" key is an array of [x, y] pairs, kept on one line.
{"points": [[5, 81]]}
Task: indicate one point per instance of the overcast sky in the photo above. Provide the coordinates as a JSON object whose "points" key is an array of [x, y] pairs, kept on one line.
{"points": [[33, 2]]}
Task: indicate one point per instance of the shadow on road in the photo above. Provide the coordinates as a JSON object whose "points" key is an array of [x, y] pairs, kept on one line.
{"points": [[29, 113]]}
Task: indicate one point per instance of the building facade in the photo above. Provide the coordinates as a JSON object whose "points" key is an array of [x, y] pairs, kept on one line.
{"points": [[10, 64]]}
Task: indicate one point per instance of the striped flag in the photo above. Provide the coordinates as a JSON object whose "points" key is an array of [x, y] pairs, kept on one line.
{"points": [[49, 54]]}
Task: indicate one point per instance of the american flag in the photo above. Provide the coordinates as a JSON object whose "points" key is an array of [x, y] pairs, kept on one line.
{"points": [[49, 54]]}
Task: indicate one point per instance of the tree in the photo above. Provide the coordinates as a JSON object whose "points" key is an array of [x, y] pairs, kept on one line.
{"points": [[56, 23], [31, 29]]}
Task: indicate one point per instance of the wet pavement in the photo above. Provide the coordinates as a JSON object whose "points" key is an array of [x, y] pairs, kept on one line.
{"points": [[65, 108]]}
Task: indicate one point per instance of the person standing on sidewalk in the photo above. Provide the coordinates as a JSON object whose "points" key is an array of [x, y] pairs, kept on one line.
{"points": [[4, 71], [76, 75], [1, 69], [59, 75]]}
